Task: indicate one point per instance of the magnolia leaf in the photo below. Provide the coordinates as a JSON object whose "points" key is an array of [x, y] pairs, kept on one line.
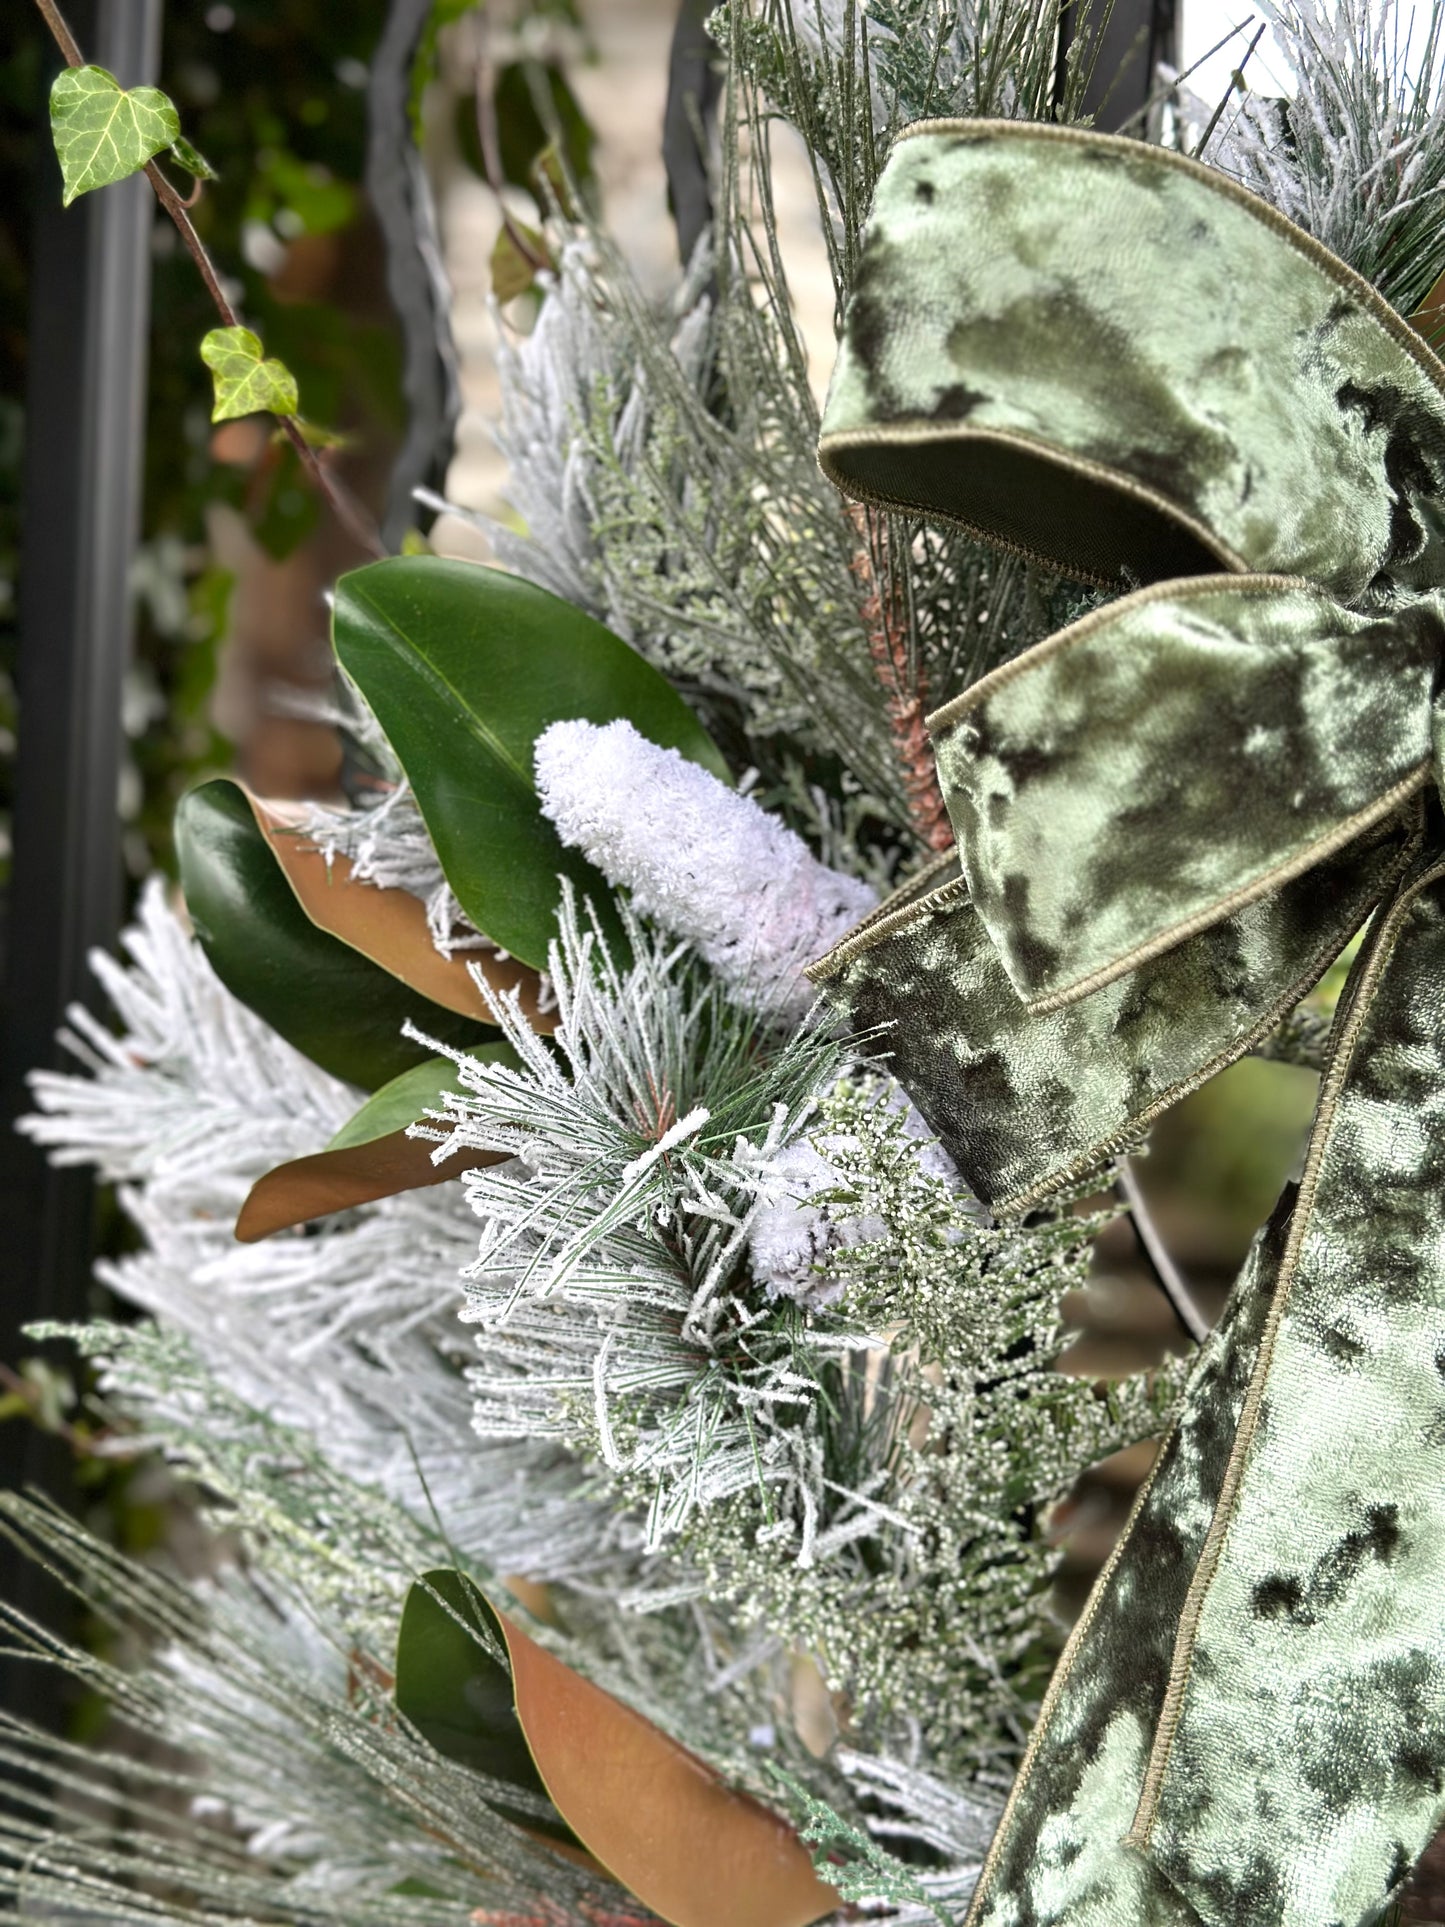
{"points": [[464, 668], [103, 133], [370, 1157], [325, 998], [192, 160], [408, 1098], [514, 271], [691, 1848], [246, 383], [453, 1684], [327, 1181], [1429, 318], [390, 927]]}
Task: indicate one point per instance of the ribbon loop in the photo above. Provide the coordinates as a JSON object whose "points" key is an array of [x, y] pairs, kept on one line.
{"points": [[1146, 772], [1114, 360], [1027, 1103]]}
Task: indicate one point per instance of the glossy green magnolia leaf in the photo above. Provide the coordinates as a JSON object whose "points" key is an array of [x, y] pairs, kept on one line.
{"points": [[103, 133], [464, 668], [410, 1096], [370, 1157], [192, 160], [246, 382], [454, 1683], [334, 1005]]}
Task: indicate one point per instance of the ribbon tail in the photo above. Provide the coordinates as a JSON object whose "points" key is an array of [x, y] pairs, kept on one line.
{"points": [[1060, 1854], [1259, 1678]]}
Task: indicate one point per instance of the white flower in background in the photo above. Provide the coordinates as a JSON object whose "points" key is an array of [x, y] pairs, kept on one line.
{"points": [[700, 859]]}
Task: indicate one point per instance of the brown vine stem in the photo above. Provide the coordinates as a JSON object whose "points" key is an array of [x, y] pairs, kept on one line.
{"points": [[907, 708], [905, 684], [356, 523]]}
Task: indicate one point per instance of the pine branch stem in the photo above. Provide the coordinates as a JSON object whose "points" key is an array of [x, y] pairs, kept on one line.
{"points": [[346, 511], [905, 684]]}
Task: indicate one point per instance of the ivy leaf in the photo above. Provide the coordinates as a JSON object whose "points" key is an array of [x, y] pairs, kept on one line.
{"points": [[103, 133], [246, 383], [192, 160], [464, 668]]}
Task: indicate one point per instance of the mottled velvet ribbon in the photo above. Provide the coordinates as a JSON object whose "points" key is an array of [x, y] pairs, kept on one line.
{"points": [[1170, 817]]}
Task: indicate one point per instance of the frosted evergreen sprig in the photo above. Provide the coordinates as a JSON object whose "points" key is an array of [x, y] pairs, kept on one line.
{"points": [[1355, 154], [849, 76], [854, 1863], [299, 1795], [345, 1331], [612, 1285], [936, 1622], [195, 1092]]}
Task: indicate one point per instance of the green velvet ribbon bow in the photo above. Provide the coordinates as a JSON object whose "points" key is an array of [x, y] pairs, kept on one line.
{"points": [[1170, 817]]}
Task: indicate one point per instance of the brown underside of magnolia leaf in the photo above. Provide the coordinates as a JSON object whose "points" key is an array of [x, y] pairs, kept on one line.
{"points": [[327, 1181], [390, 927], [1429, 318], [695, 1851]]}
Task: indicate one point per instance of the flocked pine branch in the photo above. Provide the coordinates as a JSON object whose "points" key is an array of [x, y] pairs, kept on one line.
{"points": [[347, 1329], [709, 865], [848, 74], [644, 1376], [776, 1455], [351, 1549], [939, 1620], [612, 1285], [1355, 154]]}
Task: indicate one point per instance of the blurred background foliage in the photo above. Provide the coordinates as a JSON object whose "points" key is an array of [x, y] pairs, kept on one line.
{"points": [[275, 95]]}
